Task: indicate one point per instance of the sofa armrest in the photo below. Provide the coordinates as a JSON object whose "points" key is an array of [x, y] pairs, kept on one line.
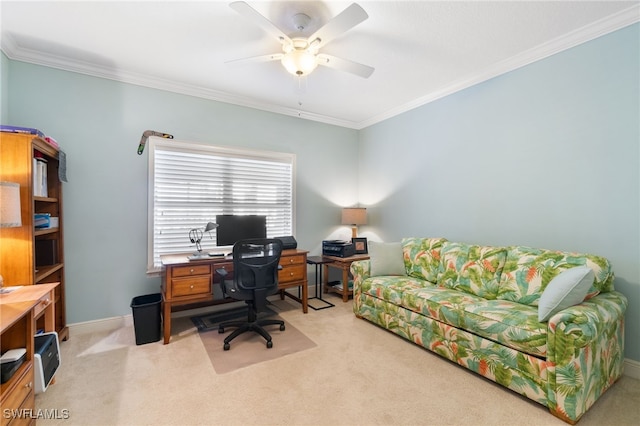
{"points": [[585, 353], [583, 323], [360, 270]]}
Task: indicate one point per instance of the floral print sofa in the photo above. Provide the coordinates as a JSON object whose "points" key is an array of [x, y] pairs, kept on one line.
{"points": [[478, 306]]}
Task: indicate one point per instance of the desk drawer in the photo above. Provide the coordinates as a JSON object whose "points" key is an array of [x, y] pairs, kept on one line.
{"points": [[27, 407], [22, 397], [42, 305], [292, 273], [192, 286], [186, 271], [293, 260], [227, 266]]}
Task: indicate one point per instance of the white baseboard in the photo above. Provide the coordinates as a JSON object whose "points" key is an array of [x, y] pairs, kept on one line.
{"points": [[106, 324], [631, 367]]}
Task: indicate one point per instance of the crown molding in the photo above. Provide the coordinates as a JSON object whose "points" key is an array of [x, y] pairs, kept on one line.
{"points": [[582, 35], [589, 32], [17, 53]]}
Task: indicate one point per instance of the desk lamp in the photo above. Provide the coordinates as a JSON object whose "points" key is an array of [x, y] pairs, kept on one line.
{"points": [[196, 234], [354, 216], [9, 208]]}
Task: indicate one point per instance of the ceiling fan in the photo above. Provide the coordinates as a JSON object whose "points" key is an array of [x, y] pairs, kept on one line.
{"points": [[300, 55]]}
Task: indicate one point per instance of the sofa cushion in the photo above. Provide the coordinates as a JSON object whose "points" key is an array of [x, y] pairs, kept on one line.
{"points": [[528, 271], [471, 268], [508, 323], [386, 259], [567, 289], [391, 288], [443, 304], [512, 324], [422, 257]]}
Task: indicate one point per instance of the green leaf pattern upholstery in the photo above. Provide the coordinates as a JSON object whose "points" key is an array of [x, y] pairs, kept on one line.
{"points": [[422, 257], [470, 268], [489, 324], [528, 271]]}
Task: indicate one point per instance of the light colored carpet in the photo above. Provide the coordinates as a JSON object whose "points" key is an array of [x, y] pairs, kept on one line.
{"points": [[250, 348], [358, 374]]}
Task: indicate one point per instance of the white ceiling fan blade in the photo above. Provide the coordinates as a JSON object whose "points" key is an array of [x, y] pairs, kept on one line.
{"points": [[344, 21], [345, 65], [253, 15], [256, 59]]}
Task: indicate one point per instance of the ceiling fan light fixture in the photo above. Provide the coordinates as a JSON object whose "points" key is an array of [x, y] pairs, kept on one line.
{"points": [[299, 62]]}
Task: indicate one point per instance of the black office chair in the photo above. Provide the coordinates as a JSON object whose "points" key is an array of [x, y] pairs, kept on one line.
{"points": [[255, 276]]}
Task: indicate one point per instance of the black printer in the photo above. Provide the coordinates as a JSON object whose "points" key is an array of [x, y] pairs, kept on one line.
{"points": [[338, 248]]}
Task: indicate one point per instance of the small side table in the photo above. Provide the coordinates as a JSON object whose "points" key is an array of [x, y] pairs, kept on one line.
{"points": [[343, 264], [318, 261]]}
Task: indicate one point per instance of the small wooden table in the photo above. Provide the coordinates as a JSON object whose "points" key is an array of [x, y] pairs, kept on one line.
{"points": [[342, 263]]}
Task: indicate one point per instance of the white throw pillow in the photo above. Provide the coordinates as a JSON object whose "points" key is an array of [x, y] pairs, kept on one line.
{"points": [[386, 259], [567, 289]]}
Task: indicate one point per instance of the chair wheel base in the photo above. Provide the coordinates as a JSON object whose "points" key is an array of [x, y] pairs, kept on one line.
{"points": [[251, 325]]}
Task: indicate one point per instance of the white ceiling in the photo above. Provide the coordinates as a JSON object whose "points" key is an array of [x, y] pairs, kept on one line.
{"points": [[421, 50]]}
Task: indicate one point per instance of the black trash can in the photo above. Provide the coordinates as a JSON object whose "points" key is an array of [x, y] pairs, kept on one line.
{"points": [[147, 317]]}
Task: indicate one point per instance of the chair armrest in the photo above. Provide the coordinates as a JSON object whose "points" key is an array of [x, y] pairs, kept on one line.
{"points": [[222, 272]]}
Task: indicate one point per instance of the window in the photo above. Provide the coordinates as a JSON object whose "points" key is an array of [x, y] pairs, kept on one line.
{"points": [[191, 183]]}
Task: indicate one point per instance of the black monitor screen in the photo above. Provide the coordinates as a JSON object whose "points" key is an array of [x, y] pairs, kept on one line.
{"points": [[232, 228]]}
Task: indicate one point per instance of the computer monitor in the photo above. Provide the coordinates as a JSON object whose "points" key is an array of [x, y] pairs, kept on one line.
{"points": [[232, 228]]}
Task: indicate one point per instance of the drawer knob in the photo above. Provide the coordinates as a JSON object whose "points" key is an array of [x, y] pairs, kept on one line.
{"points": [[191, 270], [191, 286], [290, 274], [28, 385]]}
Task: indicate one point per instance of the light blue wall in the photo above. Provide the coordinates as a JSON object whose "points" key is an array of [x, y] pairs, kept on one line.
{"points": [[546, 156], [99, 122], [4, 88]]}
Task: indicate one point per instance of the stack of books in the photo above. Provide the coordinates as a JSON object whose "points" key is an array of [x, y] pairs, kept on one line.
{"points": [[18, 129], [42, 220], [29, 131]]}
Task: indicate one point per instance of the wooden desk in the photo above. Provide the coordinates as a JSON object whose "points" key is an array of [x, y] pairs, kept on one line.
{"points": [[43, 298], [342, 263], [186, 282], [19, 312]]}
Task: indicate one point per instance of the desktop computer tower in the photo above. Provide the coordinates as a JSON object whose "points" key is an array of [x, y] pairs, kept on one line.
{"points": [[46, 359]]}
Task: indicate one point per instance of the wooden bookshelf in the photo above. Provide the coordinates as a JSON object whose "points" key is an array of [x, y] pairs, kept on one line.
{"points": [[30, 256]]}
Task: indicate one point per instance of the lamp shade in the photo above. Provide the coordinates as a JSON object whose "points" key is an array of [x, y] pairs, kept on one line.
{"points": [[210, 226], [10, 205], [299, 62], [354, 216]]}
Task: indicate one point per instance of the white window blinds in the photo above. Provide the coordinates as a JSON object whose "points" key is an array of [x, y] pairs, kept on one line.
{"points": [[191, 183]]}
